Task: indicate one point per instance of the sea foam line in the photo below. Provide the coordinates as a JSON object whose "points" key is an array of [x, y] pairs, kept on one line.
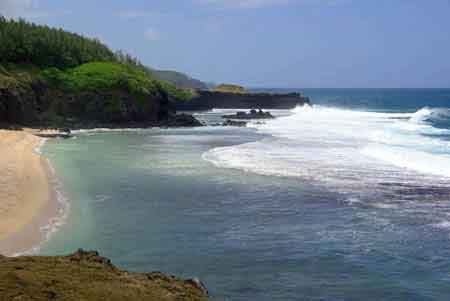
{"points": [[62, 202], [344, 150]]}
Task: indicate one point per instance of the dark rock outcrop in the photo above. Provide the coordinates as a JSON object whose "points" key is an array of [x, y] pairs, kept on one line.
{"points": [[85, 275], [41, 106], [17, 106], [181, 120], [207, 100], [229, 122], [53, 135], [253, 114], [90, 257]]}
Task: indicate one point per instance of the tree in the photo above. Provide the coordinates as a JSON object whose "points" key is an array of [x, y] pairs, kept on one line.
{"points": [[24, 42]]}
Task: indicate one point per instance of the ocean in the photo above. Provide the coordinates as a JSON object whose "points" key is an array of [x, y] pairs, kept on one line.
{"points": [[348, 199]]}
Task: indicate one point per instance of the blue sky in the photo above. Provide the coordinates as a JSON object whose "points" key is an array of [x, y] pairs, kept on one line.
{"points": [[276, 43]]}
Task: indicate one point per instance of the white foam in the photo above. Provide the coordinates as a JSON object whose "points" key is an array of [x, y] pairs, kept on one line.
{"points": [[38, 148], [105, 130], [443, 225], [101, 198], [426, 115], [344, 150], [55, 222], [384, 206], [424, 162], [353, 201]]}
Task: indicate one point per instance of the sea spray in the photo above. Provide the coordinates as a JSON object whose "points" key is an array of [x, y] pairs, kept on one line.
{"points": [[345, 150]]}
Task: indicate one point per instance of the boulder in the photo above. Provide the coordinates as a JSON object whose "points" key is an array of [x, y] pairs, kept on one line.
{"points": [[90, 256]]}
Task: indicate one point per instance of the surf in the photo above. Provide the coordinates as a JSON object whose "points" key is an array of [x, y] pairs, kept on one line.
{"points": [[347, 150]]}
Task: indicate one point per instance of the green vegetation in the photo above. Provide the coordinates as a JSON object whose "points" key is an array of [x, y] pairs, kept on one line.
{"points": [[179, 79], [8, 80], [177, 93], [72, 62], [227, 88], [28, 43], [18, 77], [102, 76], [53, 77]]}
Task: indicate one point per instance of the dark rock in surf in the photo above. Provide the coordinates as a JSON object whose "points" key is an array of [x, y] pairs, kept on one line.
{"points": [[253, 114], [181, 120], [229, 122]]}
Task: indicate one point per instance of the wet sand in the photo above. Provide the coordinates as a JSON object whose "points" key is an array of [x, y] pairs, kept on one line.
{"points": [[27, 200]]}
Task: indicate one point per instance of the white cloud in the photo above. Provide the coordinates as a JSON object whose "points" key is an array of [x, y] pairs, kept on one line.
{"points": [[151, 34]]}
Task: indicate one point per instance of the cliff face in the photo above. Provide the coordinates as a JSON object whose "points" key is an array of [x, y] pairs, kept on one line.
{"points": [[207, 100], [93, 94], [88, 276], [41, 105]]}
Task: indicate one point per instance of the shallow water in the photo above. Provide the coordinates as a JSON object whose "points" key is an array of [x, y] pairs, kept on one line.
{"points": [[320, 204]]}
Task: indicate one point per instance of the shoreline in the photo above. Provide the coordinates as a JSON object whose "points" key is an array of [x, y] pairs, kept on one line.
{"points": [[31, 205]]}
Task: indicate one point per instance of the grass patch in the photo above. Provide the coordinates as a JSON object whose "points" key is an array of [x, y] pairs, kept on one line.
{"points": [[106, 76], [227, 88]]}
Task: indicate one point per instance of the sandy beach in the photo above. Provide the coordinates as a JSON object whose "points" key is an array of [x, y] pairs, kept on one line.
{"points": [[26, 199]]}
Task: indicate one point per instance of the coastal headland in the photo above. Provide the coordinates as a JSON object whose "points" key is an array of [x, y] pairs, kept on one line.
{"points": [[210, 99], [61, 80]]}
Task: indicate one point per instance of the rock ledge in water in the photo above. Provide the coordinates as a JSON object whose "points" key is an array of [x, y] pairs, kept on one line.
{"points": [[237, 123], [253, 114], [181, 120]]}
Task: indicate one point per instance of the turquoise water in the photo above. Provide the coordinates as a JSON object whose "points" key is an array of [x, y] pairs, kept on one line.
{"points": [[342, 201]]}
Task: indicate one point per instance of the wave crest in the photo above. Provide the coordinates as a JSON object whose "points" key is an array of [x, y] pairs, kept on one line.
{"points": [[431, 115], [346, 149]]}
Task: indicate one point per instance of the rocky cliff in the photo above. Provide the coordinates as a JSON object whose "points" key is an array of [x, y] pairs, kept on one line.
{"points": [[88, 276], [41, 105], [91, 95], [206, 100]]}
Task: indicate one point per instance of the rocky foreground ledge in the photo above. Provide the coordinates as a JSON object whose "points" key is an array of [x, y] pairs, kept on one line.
{"points": [[85, 275]]}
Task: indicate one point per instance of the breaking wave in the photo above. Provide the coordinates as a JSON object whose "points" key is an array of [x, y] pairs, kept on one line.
{"points": [[433, 116], [360, 152]]}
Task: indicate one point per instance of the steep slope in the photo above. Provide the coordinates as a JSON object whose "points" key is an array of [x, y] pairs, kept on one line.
{"points": [[53, 77], [100, 93]]}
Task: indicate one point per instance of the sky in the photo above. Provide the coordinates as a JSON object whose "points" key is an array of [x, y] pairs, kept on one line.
{"points": [[268, 43]]}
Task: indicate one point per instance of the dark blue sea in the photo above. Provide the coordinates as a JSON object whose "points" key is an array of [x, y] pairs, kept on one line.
{"points": [[348, 199]]}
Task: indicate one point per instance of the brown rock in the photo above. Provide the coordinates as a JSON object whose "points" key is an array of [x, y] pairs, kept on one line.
{"points": [[85, 275]]}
